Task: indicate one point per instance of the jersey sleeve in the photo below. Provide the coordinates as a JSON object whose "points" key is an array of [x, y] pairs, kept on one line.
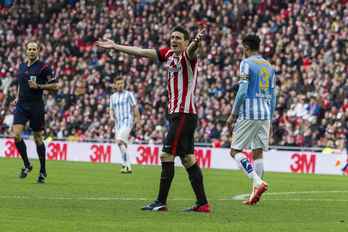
{"points": [[49, 75], [244, 71], [193, 60], [273, 80], [240, 97], [273, 101], [18, 72], [131, 99], [162, 54]]}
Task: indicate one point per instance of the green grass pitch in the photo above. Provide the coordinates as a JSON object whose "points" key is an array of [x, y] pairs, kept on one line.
{"points": [[96, 197]]}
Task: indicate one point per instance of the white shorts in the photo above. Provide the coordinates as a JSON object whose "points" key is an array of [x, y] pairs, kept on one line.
{"points": [[123, 134], [251, 134]]}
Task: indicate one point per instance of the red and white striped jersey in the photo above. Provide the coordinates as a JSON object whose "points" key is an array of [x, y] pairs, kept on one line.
{"points": [[181, 81]]}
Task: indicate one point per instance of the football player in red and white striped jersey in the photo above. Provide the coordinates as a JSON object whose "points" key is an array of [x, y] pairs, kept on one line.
{"points": [[180, 61]]}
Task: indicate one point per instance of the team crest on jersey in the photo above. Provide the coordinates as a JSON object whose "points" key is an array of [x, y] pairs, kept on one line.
{"points": [[173, 65]]}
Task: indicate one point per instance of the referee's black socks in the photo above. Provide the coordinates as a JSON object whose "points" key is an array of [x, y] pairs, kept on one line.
{"points": [[41, 151], [196, 179], [22, 149], [167, 176]]}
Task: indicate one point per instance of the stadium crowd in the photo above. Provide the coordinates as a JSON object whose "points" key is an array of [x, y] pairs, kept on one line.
{"points": [[306, 41]]}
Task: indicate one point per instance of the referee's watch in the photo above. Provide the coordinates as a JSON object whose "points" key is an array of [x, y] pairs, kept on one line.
{"points": [[39, 86]]}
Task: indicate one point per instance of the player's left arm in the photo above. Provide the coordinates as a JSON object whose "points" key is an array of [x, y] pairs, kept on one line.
{"points": [[49, 86], [273, 96], [240, 97], [243, 87], [136, 114], [241, 94], [133, 102], [53, 84], [111, 111], [192, 48]]}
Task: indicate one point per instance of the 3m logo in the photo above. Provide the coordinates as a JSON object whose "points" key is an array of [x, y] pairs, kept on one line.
{"points": [[10, 149], [147, 155], [57, 151], [303, 163], [203, 157], [101, 153]]}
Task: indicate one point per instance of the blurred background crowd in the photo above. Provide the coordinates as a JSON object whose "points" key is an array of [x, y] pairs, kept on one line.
{"points": [[306, 41]]}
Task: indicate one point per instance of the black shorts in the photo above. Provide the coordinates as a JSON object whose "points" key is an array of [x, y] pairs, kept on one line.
{"points": [[180, 137], [34, 112]]}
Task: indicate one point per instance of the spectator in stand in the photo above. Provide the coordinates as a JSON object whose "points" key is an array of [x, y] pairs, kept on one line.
{"points": [[306, 41]]}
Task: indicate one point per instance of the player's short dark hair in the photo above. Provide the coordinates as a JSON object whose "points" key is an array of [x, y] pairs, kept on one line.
{"points": [[183, 31], [33, 41], [252, 41]]}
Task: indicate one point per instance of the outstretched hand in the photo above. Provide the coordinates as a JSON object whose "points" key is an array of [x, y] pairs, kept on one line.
{"points": [[200, 35], [33, 84], [107, 43]]}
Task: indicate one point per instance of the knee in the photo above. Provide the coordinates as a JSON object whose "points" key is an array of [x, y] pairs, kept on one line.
{"points": [[120, 143], [257, 154], [233, 153], [38, 139], [17, 135], [188, 161], [166, 157]]}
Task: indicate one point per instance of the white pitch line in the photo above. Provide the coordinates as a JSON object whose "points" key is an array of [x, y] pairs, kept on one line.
{"points": [[307, 199], [246, 195]]}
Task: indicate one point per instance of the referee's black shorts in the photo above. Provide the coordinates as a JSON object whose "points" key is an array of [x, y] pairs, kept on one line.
{"points": [[180, 136], [34, 112]]}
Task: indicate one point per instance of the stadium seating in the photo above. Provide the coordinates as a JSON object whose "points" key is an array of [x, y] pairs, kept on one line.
{"points": [[305, 41]]}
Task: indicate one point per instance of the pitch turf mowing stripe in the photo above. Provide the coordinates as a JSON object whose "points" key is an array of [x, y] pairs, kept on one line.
{"points": [[237, 197]]}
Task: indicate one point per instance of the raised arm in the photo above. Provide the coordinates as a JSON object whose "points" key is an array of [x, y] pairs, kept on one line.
{"points": [[194, 45], [136, 51]]}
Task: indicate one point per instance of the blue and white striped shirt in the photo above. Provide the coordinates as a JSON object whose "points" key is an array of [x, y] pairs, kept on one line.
{"points": [[256, 95], [121, 104]]}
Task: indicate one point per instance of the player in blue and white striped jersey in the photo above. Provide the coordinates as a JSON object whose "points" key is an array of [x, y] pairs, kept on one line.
{"points": [[125, 113], [252, 113]]}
